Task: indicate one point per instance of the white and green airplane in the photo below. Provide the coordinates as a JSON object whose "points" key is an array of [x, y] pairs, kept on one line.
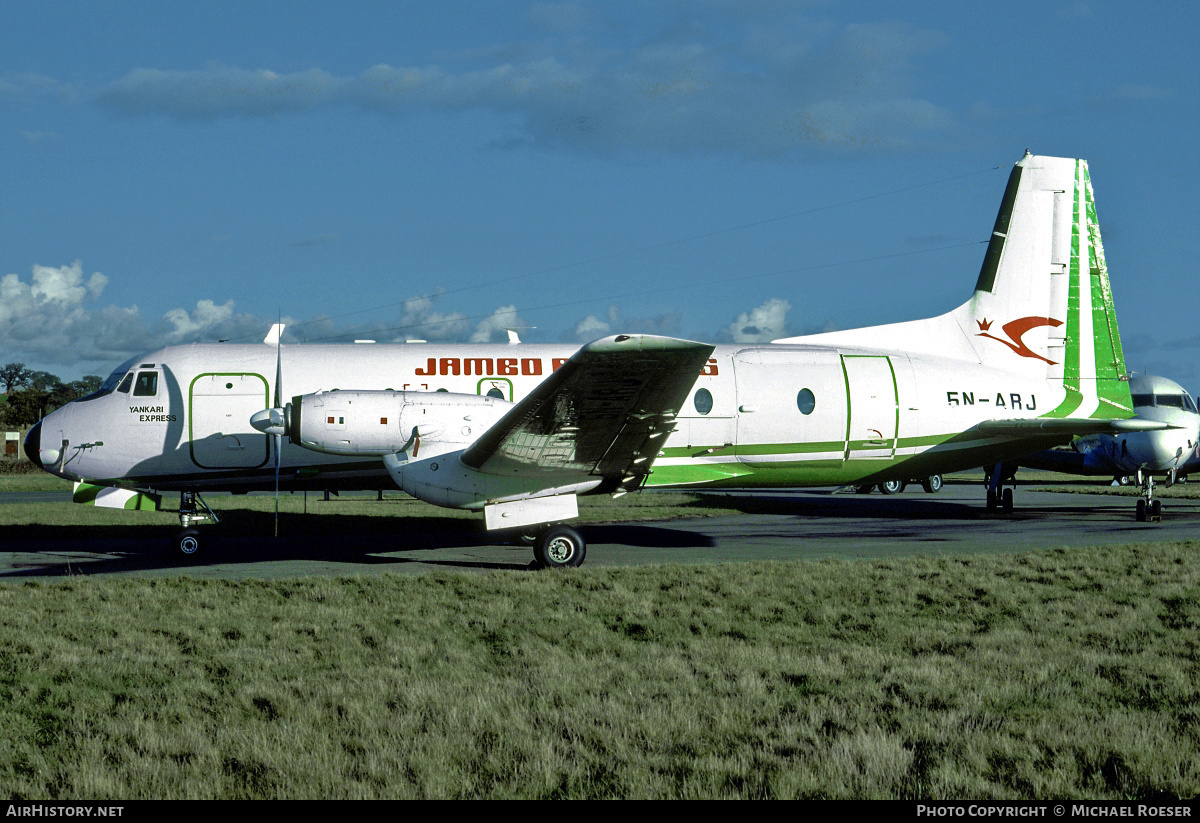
{"points": [[518, 431]]}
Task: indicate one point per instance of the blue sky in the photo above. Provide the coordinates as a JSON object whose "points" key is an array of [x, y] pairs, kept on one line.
{"points": [[723, 171]]}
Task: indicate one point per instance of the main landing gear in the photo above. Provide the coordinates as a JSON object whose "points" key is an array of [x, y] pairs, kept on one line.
{"points": [[556, 546], [1147, 507], [1000, 496], [188, 541]]}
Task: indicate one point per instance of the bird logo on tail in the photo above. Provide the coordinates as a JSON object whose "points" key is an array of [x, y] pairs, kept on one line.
{"points": [[1015, 330]]}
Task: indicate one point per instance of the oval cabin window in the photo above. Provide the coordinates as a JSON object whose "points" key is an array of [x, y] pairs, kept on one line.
{"points": [[703, 401]]}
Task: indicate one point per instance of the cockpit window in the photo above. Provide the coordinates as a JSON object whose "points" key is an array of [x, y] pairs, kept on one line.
{"points": [[1143, 400], [1188, 403], [125, 384], [147, 384], [1174, 401]]}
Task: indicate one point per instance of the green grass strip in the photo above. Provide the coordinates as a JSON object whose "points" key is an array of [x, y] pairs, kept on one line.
{"points": [[1064, 674]]}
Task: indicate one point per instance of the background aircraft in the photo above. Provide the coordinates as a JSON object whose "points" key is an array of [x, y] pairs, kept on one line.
{"points": [[1139, 455]]}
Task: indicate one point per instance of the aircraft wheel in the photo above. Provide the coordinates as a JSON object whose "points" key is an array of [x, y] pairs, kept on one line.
{"points": [[1156, 510], [1141, 510], [1007, 500], [560, 547], [891, 486], [863, 489], [932, 484], [188, 542], [992, 500]]}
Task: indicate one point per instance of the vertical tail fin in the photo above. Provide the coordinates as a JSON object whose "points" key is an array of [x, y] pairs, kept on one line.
{"points": [[1042, 307], [1043, 300]]}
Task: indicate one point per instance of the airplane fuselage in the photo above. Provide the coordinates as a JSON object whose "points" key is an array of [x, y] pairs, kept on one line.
{"points": [[767, 415]]}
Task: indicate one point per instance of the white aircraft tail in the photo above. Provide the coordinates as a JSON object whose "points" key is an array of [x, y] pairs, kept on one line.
{"points": [[1042, 305]]}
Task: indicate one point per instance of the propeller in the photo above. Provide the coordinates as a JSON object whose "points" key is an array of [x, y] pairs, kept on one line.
{"points": [[273, 421]]}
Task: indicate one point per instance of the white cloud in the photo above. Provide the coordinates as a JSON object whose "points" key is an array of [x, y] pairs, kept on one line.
{"points": [[206, 315], [50, 290], [615, 322], [591, 328], [421, 321], [759, 325], [493, 328], [50, 321]]}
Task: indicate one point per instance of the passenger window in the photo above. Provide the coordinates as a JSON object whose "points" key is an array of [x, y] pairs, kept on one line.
{"points": [[805, 401], [703, 401], [147, 384], [126, 383]]}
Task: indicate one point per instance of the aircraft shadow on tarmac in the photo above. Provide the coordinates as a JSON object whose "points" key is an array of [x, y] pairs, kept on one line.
{"points": [[246, 537]]}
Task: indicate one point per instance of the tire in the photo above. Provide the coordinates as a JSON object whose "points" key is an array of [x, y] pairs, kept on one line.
{"points": [[1141, 510], [932, 484], [891, 486], [188, 542], [560, 547], [863, 489], [1007, 500]]}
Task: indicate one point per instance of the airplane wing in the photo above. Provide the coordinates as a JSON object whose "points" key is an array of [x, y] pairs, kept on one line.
{"points": [[1068, 425], [606, 412]]}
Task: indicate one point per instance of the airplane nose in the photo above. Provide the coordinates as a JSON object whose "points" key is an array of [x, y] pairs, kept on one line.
{"points": [[33, 445]]}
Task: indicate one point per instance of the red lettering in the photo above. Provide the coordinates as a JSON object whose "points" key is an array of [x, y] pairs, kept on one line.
{"points": [[479, 364], [448, 365], [531, 366], [506, 366], [710, 367], [430, 367], [558, 361]]}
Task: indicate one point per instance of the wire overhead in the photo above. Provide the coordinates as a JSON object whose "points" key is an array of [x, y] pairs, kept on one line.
{"points": [[641, 250]]}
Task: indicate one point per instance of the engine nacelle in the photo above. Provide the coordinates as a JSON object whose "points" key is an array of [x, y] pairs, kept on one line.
{"points": [[445, 480], [377, 423]]}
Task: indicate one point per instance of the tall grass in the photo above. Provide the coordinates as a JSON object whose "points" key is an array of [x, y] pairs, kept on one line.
{"points": [[1065, 674]]}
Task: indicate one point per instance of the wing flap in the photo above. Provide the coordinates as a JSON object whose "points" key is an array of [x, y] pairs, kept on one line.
{"points": [[606, 412]]}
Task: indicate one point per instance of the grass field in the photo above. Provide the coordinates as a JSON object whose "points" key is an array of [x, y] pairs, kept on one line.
{"points": [[1068, 674], [1055, 674]]}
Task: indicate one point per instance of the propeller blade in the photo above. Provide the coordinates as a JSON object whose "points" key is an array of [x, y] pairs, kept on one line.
{"points": [[278, 374], [278, 404]]}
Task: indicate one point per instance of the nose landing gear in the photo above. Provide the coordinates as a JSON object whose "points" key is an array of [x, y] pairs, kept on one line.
{"points": [[1147, 507], [188, 541]]}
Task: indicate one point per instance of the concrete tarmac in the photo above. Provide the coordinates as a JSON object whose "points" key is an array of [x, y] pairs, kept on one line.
{"points": [[781, 526]]}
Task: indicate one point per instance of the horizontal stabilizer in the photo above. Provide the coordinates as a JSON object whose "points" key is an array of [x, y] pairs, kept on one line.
{"points": [[1068, 425]]}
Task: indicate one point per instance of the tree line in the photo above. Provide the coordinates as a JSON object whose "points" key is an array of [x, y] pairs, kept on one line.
{"points": [[31, 395]]}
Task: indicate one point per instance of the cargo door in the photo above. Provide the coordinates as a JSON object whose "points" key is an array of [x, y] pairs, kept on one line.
{"points": [[874, 411], [219, 410]]}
